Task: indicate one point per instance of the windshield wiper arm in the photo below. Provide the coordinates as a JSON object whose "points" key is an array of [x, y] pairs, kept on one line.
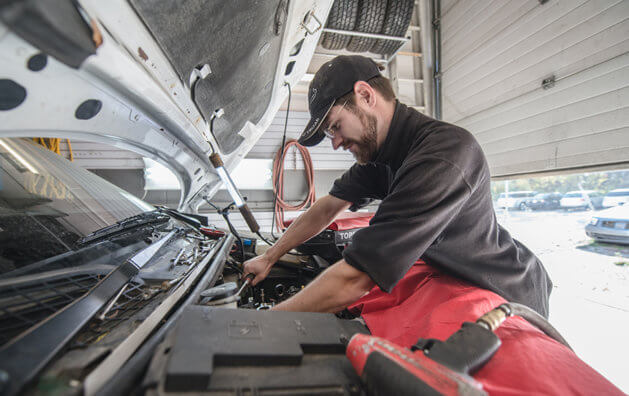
{"points": [[145, 218], [188, 218]]}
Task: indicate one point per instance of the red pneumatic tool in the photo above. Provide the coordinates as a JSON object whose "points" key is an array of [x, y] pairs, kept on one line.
{"points": [[430, 367]]}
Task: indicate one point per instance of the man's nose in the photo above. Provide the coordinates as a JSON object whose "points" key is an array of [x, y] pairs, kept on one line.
{"points": [[337, 141]]}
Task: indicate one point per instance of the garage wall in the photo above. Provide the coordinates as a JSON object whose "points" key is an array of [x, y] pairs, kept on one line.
{"points": [[495, 56], [323, 156], [101, 156], [124, 168], [263, 218]]}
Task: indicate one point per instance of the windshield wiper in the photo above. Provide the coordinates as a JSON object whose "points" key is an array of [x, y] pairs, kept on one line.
{"points": [[155, 216], [26, 355], [188, 218]]}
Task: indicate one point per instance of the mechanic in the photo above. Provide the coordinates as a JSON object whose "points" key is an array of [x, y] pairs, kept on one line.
{"points": [[433, 182]]}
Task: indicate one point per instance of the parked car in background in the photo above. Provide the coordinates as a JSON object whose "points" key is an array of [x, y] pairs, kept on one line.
{"points": [[582, 199], [544, 201], [515, 199], [610, 225], [616, 197]]}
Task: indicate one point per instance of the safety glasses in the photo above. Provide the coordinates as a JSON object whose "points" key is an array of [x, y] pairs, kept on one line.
{"points": [[329, 132]]}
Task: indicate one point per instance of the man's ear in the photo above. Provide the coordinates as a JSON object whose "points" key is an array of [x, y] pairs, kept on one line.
{"points": [[365, 93]]}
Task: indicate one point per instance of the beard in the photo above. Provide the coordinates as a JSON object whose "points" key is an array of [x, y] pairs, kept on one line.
{"points": [[366, 147]]}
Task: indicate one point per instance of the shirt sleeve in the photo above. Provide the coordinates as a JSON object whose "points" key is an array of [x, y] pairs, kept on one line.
{"points": [[425, 196], [361, 184]]}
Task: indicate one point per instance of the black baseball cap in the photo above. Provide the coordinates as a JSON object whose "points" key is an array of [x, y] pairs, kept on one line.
{"points": [[334, 79]]}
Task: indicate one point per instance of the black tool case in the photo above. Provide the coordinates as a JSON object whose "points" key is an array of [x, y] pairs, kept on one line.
{"points": [[241, 351]]}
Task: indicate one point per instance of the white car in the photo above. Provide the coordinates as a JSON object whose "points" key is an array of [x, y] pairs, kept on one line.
{"points": [[616, 197], [84, 263], [610, 225], [582, 199], [515, 199]]}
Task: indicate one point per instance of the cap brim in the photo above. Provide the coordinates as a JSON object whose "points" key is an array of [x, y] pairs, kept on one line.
{"points": [[313, 134]]}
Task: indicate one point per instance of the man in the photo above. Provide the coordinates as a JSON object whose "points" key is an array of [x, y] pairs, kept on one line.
{"points": [[433, 180]]}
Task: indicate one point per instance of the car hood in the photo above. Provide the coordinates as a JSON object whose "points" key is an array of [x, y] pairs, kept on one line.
{"points": [[148, 77], [617, 212]]}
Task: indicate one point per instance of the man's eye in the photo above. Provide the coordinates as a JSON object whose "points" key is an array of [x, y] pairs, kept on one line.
{"points": [[335, 127]]}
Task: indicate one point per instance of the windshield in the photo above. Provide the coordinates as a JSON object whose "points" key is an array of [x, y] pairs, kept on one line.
{"points": [[47, 204]]}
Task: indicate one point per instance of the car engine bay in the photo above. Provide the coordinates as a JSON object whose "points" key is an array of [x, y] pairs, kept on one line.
{"points": [[225, 344], [187, 315]]}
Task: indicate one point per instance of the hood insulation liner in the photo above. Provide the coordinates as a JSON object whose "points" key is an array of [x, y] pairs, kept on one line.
{"points": [[240, 40]]}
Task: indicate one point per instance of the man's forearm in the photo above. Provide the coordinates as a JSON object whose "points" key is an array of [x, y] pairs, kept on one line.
{"points": [[309, 224], [332, 291]]}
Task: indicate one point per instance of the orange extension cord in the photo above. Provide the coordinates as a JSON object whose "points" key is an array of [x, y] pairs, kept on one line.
{"points": [[278, 180], [53, 144]]}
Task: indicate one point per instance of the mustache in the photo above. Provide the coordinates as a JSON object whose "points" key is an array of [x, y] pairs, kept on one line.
{"points": [[348, 142]]}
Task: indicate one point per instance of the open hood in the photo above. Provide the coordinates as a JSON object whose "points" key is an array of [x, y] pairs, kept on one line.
{"points": [[151, 76]]}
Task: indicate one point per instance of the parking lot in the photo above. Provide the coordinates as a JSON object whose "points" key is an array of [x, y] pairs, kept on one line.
{"points": [[590, 301]]}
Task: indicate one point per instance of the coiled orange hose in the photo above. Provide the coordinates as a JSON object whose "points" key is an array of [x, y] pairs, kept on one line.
{"points": [[278, 180]]}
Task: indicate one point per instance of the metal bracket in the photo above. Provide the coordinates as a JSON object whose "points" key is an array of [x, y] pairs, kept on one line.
{"points": [[199, 72], [368, 35], [218, 113], [436, 23], [307, 19], [549, 82]]}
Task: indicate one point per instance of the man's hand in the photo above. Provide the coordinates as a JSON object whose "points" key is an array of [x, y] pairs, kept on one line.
{"points": [[260, 266], [309, 224]]}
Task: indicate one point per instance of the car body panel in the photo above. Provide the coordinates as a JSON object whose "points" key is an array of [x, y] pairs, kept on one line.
{"points": [[581, 199], [544, 201], [616, 197], [610, 225], [514, 199]]}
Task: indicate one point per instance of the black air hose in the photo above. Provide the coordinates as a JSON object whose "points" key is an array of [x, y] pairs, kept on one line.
{"points": [[538, 321]]}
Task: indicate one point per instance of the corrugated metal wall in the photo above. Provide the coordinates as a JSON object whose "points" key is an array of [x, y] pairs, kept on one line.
{"points": [[323, 156], [495, 55]]}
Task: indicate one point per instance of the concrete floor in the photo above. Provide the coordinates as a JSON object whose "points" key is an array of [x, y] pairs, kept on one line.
{"points": [[590, 301]]}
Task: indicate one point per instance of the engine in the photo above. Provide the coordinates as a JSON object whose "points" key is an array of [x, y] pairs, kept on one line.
{"points": [[287, 277]]}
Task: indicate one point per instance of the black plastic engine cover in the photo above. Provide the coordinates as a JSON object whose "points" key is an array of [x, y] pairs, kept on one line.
{"points": [[218, 350]]}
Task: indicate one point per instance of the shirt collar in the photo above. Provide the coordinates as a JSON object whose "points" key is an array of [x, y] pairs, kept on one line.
{"points": [[398, 141]]}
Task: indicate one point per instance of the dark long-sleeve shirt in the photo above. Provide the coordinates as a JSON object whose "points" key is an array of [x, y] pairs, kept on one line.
{"points": [[433, 180]]}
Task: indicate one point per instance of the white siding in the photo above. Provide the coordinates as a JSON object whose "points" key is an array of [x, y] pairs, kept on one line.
{"points": [[323, 156], [263, 218], [101, 156], [495, 55]]}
